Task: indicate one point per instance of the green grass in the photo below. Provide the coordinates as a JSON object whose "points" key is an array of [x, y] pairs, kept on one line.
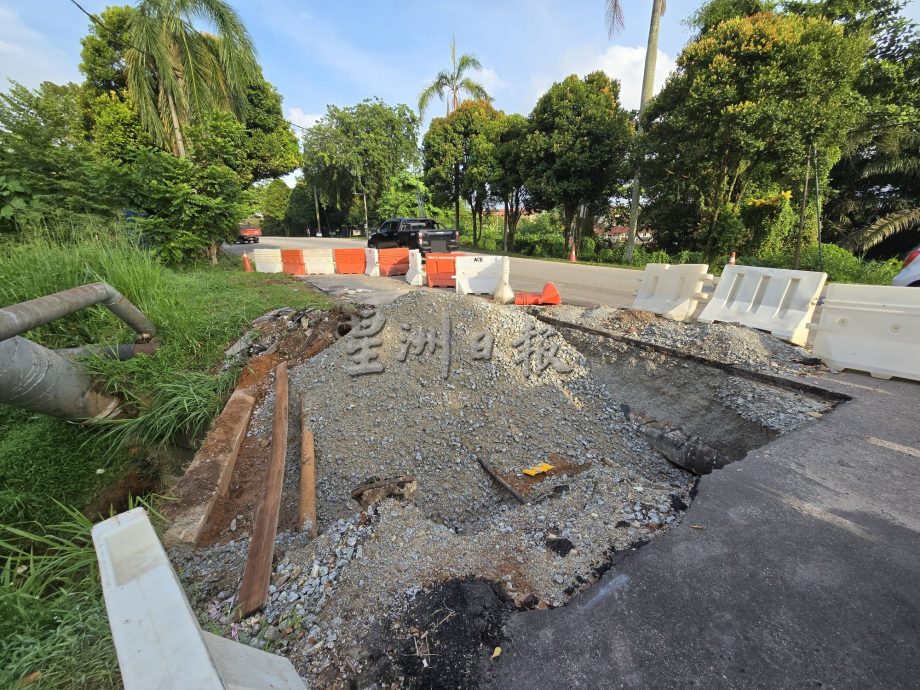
{"points": [[53, 626]]}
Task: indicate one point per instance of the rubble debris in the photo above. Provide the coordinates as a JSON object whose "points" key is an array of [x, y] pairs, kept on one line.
{"points": [[542, 468], [306, 513], [376, 491]]}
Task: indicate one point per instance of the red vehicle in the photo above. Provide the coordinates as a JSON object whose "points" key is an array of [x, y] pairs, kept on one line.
{"points": [[249, 234]]}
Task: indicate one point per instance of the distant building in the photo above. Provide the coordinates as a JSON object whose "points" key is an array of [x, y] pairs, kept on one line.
{"points": [[619, 233]]}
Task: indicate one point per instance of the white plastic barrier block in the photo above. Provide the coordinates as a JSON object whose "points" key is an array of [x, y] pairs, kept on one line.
{"points": [[770, 299], [318, 262], [672, 291], [873, 328], [371, 262], [416, 272], [478, 275], [267, 260], [157, 637]]}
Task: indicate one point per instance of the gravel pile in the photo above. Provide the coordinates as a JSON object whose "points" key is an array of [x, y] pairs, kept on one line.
{"points": [[610, 491], [723, 342]]}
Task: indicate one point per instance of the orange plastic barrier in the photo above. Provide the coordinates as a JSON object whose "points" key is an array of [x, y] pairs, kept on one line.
{"points": [[292, 262], [349, 261], [440, 267], [550, 295], [394, 262]]}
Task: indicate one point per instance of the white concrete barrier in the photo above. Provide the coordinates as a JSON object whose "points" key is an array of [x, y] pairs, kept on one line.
{"points": [[873, 328], [318, 262], [770, 299], [672, 290], [371, 262], [416, 273], [157, 637], [267, 260], [478, 275]]}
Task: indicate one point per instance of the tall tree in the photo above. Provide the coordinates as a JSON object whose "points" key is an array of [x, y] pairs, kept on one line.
{"points": [[614, 22], [454, 81], [576, 150], [176, 72], [509, 184], [735, 123]]}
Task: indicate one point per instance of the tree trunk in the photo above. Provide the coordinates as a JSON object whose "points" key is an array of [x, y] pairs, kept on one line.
{"points": [[212, 252], [648, 87], [798, 239], [457, 197], [505, 229], [177, 128], [319, 225]]}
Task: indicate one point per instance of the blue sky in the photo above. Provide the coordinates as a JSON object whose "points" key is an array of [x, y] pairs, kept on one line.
{"points": [[319, 53]]}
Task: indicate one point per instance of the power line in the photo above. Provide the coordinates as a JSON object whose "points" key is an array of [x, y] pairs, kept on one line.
{"points": [[98, 22]]}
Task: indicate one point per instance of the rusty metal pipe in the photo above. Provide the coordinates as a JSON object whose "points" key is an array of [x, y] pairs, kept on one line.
{"points": [[120, 352], [39, 379], [19, 318]]}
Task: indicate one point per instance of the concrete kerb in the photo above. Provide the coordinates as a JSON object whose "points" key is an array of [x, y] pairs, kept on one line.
{"points": [[207, 479], [157, 637]]}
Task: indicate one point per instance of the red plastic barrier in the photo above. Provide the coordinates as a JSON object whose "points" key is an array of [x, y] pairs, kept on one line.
{"points": [[440, 268], [393, 262], [550, 295], [350, 261], [292, 262]]}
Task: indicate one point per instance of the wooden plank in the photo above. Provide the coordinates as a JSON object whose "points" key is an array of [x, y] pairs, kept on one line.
{"points": [[307, 507], [256, 575]]}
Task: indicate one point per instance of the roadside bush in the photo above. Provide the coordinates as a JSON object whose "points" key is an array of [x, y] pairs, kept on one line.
{"points": [[586, 248], [840, 265]]}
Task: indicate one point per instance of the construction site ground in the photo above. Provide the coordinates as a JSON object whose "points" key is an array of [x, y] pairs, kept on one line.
{"points": [[793, 566]]}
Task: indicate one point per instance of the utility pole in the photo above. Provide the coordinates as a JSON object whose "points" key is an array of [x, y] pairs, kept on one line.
{"points": [[814, 155], [798, 239], [319, 226]]}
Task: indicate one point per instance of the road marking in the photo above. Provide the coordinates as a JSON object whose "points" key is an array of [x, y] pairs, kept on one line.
{"points": [[907, 450]]}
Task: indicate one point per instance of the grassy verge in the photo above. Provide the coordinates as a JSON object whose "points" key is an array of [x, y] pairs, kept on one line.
{"points": [[53, 628]]}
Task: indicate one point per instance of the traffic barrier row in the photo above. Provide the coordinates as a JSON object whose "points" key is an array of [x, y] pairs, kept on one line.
{"points": [[477, 275], [393, 262], [349, 261], [416, 273], [318, 262], [770, 299], [439, 269], [267, 260], [157, 637], [872, 328], [672, 291], [292, 262]]}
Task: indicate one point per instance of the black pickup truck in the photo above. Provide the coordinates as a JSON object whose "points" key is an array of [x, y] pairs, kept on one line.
{"points": [[424, 234]]}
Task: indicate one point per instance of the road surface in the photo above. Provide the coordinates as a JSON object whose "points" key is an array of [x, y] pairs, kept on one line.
{"points": [[578, 284]]}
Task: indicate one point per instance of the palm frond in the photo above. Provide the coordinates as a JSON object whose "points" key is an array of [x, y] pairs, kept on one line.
{"points": [[435, 88], [475, 89], [614, 17], [467, 63], [899, 166], [883, 228]]}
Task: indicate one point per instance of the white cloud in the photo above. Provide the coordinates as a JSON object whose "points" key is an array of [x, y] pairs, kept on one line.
{"points": [[28, 57], [624, 63], [490, 80], [299, 117]]}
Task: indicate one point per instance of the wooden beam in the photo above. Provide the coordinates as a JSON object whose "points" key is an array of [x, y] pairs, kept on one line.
{"points": [[258, 571], [307, 508]]}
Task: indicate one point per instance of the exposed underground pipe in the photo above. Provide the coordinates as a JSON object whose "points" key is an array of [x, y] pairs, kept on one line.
{"points": [[38, 379], [19, 318]]}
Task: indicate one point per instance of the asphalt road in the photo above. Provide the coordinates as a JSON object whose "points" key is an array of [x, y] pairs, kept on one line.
{"points": [[577, 283]]}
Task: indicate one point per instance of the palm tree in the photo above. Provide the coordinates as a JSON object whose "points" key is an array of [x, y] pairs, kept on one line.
{"points": [[905, 214], [176, 72], [615, 22], [453, 81]]}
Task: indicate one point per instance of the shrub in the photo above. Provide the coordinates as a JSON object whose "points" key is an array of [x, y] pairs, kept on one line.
{"points": [[586, 248], [840, 265]]}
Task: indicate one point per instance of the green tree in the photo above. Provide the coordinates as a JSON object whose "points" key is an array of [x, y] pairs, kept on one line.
{"points": [[177, 73], [274, 207], [272, 148], [614, 22], [405, 193], [102, 53], [450, 83], [509, 183], [749, 99], [352, 154], [576, 150], [442, 151], [301, 212]]}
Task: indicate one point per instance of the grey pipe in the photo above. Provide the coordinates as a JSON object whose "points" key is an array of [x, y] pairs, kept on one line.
{"points": [[120, 352], [38, 379], [19, 318]]}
